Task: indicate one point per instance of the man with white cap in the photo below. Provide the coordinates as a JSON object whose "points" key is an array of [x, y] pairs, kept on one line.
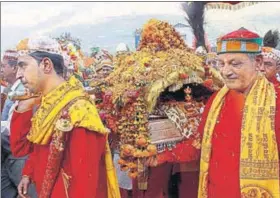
{"points": [[67, 142]]}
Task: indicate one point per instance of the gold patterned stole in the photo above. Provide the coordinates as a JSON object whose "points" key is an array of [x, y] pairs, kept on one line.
{"points": [[259, 160], [82, 112]]}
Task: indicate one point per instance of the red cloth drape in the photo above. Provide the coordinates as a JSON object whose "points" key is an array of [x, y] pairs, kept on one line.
{"points": [[225, 155], [83, 160]]}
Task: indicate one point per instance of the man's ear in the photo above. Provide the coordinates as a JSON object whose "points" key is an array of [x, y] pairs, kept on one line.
{"points": [[15, 69], [47, 65], [278, 66], [259, 62]]}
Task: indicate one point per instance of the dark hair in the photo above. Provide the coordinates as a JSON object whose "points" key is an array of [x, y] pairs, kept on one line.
{"points": [[12, 62], [57, 60]]}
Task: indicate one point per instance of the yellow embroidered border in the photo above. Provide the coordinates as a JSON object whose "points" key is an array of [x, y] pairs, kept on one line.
{"points": [[259, 161]]}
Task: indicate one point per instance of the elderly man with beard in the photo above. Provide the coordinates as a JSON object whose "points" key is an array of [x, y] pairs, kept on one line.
{"points": [[241, 125]]}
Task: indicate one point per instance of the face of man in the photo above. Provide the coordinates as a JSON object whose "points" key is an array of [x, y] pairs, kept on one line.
{"points": [[238, 70], [30, 73], [270, 68], [104, 72], [8, 71], [212, 63]]}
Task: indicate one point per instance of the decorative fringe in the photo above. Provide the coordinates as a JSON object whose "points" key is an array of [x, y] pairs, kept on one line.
{"points": [[159, 86], [167, 145], [228, 6]]}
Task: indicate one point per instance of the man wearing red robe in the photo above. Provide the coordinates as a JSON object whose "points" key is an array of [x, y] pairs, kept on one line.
{"points": [[65, 139], [232, 162]]}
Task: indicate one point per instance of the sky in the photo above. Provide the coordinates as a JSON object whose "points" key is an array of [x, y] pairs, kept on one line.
{"points": [[106, 23]]}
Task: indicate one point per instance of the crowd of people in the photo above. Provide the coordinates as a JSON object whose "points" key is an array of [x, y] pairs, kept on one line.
{"points": [[208, 122]]}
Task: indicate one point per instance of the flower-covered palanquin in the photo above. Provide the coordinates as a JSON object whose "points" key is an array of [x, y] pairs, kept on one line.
{"points": [[154, 99]]}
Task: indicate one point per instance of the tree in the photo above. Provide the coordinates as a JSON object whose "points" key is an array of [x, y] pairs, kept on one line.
{"points": [[66, 37]]}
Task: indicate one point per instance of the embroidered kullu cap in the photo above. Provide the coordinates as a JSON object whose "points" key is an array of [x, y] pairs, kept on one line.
{"points": [[272, 53], [104, 63], [240, 41], [41, 44], [10, 55]]}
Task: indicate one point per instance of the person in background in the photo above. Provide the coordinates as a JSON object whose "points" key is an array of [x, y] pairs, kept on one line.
{"points": [[9, 72], [12, 166], [271, 57]]}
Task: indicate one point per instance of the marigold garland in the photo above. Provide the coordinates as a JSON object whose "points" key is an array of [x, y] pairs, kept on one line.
{"points": [[163, 60]]}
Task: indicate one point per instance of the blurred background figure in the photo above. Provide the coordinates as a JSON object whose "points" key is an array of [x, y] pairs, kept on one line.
{"points": [[11, 171], [271, 57]]}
